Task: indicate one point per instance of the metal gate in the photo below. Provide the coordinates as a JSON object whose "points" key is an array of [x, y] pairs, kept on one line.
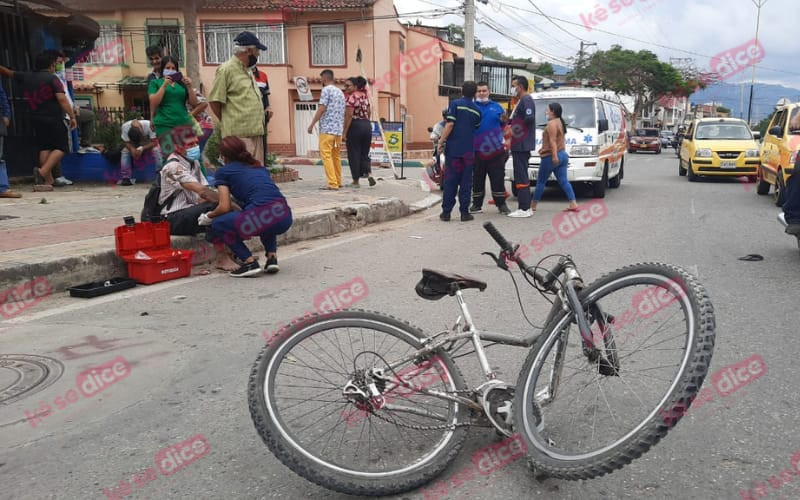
{"points": [[20, 151]]}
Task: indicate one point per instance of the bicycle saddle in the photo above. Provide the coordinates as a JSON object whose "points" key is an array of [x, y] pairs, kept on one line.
{"points": [[435, 284]]}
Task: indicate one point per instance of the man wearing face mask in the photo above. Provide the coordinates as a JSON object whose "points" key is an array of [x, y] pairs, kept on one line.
{"points": [[490, 156], [235, 97], [185, 193], [522, 141]]}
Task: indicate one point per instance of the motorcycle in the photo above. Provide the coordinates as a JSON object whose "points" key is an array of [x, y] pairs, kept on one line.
{"points": [[435, 168], [782, 220]]}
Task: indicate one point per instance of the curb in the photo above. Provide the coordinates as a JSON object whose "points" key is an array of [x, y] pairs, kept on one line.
{"points": [[98, 265], [317, 162]]}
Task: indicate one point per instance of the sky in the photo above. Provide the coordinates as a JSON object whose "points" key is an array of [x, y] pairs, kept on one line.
{"points": [[698, 29]]}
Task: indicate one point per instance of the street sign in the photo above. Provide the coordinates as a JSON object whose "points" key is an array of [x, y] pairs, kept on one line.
{"points": [[394, 140], [303, 90]]}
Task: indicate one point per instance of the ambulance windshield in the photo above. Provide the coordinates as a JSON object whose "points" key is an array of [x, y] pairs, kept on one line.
{"points": [[576, 112]]}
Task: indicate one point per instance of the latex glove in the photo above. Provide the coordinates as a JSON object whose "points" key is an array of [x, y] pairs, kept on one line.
{"points": [[204, 220]]}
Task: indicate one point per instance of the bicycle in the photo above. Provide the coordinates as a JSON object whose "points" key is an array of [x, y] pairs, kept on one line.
{"points": [[363, 403]]}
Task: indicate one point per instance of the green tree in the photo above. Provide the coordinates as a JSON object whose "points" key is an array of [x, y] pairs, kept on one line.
{"points": [[637, 74], [545, 69], [763, 124], [723, 109], [457, 36]]}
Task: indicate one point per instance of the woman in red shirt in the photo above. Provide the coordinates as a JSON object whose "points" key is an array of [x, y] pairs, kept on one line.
{"points": [[358, 129]]}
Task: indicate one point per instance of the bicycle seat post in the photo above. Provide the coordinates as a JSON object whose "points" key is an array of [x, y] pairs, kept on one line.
{"points": [[476, 338]]}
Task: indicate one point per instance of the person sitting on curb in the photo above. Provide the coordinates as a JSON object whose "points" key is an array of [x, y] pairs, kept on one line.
{"points": [[265, 213], [140, 147], [185, 193], [5, 123]]}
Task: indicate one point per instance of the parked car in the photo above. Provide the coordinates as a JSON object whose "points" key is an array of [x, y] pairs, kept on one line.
{"points": [[595, 138], [718, 147], [645, 139], [666, 138], [779, 151]]}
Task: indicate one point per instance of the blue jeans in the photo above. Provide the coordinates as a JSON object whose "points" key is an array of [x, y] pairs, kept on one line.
{"points": [[230, 229], [457, 179], [791, 207], [521, 179], [546, 168], [3, 171]]}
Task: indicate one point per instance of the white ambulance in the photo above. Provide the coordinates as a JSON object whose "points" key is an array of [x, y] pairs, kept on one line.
{"points": [[596, 137]]}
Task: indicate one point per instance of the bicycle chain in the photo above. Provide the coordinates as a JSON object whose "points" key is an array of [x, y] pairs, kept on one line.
{"points": [[428, 427]]}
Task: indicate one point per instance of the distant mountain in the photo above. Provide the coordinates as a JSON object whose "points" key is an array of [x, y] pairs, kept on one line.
{"points": [[735, 97]]}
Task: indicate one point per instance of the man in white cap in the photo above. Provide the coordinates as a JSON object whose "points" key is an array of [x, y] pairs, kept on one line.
{"points": [[235, 97]]}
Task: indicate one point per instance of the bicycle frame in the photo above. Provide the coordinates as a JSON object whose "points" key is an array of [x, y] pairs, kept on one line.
{"points": [[469, 331]]}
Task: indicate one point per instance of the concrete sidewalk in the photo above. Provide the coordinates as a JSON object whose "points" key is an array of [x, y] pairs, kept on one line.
{"points": [[66, 236]]}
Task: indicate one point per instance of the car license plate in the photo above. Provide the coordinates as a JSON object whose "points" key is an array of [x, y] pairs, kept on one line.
{"points": [[643, 146], [728, 164]]}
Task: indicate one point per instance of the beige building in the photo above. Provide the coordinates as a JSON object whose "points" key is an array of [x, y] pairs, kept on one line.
{"points": [[406, 65]]}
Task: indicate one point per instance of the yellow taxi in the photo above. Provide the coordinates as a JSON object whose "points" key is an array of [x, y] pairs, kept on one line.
{"points": [[718, 147], [779, 151]]}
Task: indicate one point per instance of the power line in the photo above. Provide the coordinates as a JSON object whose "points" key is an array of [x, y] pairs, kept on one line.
{"points": [[553, 22], [499, 30], [642, 41], [540, 30]]}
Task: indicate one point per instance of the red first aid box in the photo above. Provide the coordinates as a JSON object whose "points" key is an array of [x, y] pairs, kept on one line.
{"points": [[145, 247]]}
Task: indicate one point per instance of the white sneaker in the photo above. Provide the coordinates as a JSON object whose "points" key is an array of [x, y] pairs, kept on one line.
{"points": [[521, 213], [63, 181]]}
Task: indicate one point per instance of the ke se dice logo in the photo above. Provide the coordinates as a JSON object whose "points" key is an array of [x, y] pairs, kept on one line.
{"points": [[25, 296], [494, 457], [178, 456], [731, 379], [568, 224], [737, 59], [342, 296], [97, 379]]}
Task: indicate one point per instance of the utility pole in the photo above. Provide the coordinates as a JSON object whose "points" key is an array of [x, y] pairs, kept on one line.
{"points": [[580, 54], [758, 4], [469, 40], [190, 32]]}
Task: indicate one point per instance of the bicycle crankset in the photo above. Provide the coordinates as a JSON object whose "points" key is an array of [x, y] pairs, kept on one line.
{"points": [[497, 397]]}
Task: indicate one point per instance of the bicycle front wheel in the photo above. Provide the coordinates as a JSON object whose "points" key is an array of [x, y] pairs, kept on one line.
{"points": [[347, 443], [605, 405]]}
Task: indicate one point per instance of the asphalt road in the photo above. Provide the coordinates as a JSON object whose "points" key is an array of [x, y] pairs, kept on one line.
{"points": [[180, 354]]}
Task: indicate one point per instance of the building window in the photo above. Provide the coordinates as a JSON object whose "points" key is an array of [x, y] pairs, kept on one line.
{"points": [[327, 45], [167, 34], [109, 48], [218, 42]]}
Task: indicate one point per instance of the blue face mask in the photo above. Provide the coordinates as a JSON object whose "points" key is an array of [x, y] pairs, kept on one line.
{"points": [[193, 153]]}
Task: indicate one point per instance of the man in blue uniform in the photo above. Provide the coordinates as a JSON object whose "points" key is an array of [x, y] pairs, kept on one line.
{"points": [[463, 119], [490, 153], [523, 141]]}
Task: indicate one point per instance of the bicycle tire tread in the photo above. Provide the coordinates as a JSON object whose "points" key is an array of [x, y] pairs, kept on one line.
{"points": [[331, 480], [656, 428]]}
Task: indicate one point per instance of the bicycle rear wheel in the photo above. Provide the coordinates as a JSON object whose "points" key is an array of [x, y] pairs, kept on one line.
{"points": [[342, 442], [653, 329]]}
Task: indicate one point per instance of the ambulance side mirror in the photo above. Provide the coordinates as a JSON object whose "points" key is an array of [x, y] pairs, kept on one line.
{"points": [[602, 125]]}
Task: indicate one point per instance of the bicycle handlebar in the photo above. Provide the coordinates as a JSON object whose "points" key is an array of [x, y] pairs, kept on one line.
{"points": [[545, 282], [499, 238]]}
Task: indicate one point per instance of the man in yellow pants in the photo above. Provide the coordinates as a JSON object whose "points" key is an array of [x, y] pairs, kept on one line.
{"points": [[330, 115]]}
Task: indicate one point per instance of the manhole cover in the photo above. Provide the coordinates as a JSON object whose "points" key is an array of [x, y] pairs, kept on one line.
{"points": [[24, 374]]}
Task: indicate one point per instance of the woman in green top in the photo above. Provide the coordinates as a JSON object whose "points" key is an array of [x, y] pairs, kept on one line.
{"points": [[168, 97]]}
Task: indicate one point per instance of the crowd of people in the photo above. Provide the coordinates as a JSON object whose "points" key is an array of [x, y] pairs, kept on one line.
{"points": [[477, 137]]}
